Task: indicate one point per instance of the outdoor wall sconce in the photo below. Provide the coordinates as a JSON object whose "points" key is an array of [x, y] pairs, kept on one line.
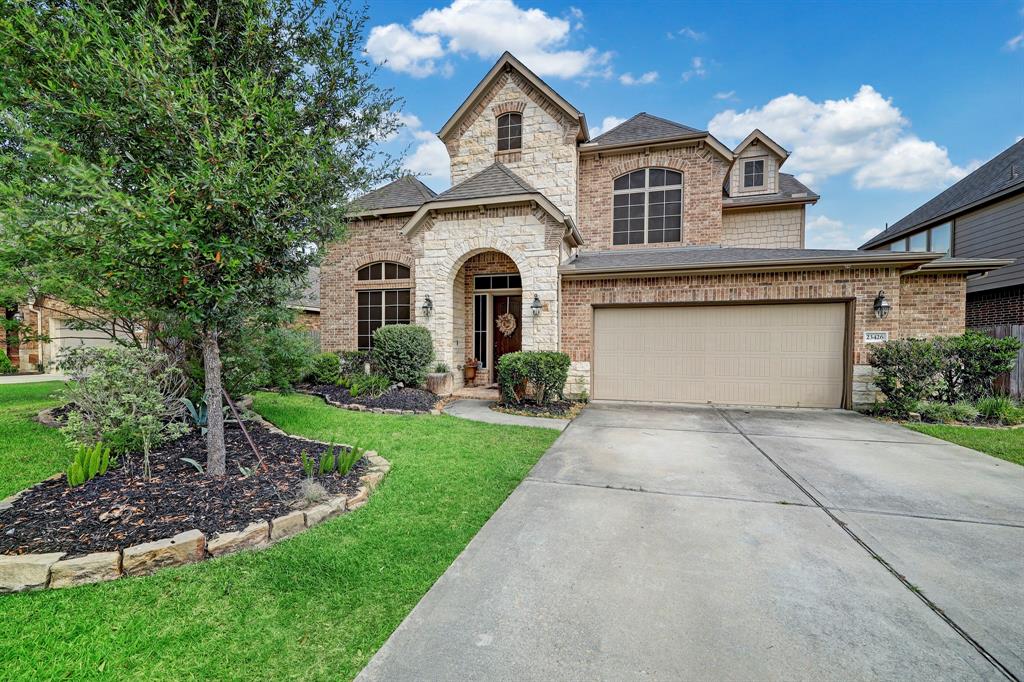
{"points": [[19, 316], [428, 307], [882, 305], [535, 306]]}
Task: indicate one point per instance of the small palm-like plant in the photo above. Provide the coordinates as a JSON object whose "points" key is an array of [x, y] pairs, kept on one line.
{"points": [[88, 463]]}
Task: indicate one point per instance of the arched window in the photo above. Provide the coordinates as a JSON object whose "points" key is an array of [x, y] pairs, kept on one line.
{"points": [[648, 207], [510, 131], [382, 270]]}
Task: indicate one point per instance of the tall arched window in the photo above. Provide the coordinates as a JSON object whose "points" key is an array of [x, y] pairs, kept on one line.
{"points": [[380, 306], [510, 131], [648, 207]]}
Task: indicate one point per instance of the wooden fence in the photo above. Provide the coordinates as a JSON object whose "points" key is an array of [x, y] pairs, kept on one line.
{"points": [[1011, 383]]}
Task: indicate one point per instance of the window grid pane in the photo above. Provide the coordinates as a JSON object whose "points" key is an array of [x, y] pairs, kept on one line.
{"points": [[480, 328], [652, 216], [510, 132], [378, 308], [753, 173]]}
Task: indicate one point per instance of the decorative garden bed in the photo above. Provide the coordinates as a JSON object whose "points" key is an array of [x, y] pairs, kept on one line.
{"points": [[395, 401], [122, 524], [556, 409]]}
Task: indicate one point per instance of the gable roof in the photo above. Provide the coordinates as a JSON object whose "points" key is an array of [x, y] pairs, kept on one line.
{"points": [[494, 181], [756, 134], [508, 60], [407, 192], [791, 191], [643, 128], [1003, 174]]}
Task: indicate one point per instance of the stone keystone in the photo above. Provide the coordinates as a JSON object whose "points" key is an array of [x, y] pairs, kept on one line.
{"points": [[183, 548], [28, 572], [91, 568], [253, 536]]}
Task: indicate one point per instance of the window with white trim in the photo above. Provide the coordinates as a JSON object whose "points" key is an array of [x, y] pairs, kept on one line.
{"points": [[647, 207], [753, 173], [378, 308]]}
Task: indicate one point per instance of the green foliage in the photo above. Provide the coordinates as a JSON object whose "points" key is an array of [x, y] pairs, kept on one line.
{"points": [[196, 412], [402, 352], [6, 366], [325, 368], [1001, 409], [348, 458], [196, 465], [971, 361], [940, 413], [328, 462], [440, 368], [287, 353], [88, 463], [963, 412], [353, 362], [307, 464], [546, 371], [124, 397], [905, 372], [372, 385]]}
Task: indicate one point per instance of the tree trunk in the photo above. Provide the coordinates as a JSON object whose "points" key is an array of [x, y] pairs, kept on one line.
{"points": [[214, 406]]}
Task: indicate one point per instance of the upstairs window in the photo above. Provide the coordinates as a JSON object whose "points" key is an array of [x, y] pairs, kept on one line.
{"points": [[936, 239], [510, 132], [753, 173], [647, 207], [382, 270]]}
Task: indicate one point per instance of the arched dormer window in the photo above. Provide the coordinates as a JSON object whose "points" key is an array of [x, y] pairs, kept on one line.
{"points": [[382, 270], [647, 207], [510, 131]]}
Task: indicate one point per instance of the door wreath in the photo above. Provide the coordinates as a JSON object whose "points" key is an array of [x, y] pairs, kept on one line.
{"points": [[506, 323]]}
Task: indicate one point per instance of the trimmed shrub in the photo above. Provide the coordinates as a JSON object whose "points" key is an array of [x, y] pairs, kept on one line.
{"points": [[402, 352], [906, 371], [286, 353], [964, 412], [547, 371], [6, 366], [970, 362], [325, 368]]}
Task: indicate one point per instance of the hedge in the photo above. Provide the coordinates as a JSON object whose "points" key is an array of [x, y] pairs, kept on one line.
{"points": [[402, 352], [547, 371]]}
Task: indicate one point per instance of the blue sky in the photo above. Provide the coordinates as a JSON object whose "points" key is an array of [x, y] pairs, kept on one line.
{"points": [[882, 105]]}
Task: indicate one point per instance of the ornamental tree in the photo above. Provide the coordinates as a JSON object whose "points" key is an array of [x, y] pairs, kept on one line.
{"points": [[181, 161]]}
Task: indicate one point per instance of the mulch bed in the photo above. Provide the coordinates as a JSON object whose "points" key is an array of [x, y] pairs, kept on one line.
{"points": [[411, 399], [556, 409], [122, 508]]}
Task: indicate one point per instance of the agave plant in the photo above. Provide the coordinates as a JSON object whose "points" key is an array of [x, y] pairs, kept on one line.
{"points": [[197, 412]]}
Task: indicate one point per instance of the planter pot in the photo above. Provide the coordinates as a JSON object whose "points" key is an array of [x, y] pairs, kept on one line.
{"points": [[469, 373], [441, 383]]}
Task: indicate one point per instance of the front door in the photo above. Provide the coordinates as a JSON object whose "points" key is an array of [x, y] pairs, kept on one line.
{"points": [[507, 328]]}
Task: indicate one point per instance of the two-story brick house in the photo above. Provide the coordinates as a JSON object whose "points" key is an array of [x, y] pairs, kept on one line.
{"points": [[667, 265]]}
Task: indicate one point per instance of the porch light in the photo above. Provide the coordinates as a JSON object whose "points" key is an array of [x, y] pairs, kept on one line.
{"points": [[19, 316], [535, 306], [882, 305], [428, 307]]}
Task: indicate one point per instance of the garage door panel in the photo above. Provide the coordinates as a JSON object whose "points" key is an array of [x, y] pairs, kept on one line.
{"points": [[784, 355]]}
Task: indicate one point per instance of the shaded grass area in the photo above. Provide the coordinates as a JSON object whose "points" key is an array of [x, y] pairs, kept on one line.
{"points": [[1005, 444], [315, 607], [29, 451]]}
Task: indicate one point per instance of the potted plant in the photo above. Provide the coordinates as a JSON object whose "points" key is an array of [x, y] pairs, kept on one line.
{"points": [[440, 381], [469, 369]]}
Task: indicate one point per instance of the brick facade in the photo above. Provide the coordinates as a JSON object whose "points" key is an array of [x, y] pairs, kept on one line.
{"points": [[996, 306]]}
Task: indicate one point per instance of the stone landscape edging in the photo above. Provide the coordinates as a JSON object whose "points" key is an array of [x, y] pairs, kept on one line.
{"points": [[20, 573], [356, 407]]}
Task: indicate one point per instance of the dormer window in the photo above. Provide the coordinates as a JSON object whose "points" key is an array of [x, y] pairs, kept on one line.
{"points": [[510, 132], [753, 173]]}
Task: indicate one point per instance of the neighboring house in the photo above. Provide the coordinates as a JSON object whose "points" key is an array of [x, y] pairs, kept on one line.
{"points": [[668, 266], [56, 328], [982, 216], [307, 305]]}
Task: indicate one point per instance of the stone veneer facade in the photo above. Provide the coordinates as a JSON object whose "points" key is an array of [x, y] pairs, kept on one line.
{"points": [[780, 228]]}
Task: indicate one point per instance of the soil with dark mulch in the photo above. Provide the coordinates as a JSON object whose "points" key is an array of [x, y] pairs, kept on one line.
{"points": [[414, 399], [122, 508], [556, 409]]}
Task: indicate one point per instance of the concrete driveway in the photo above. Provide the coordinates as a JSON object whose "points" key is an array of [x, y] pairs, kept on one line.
{"points": [[666, 543]]}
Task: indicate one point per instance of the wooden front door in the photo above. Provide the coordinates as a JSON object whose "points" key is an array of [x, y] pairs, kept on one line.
{"points": [[512, 305]]}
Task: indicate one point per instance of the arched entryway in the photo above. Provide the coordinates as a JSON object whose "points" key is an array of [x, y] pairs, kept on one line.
{"points": [[487, 293]]}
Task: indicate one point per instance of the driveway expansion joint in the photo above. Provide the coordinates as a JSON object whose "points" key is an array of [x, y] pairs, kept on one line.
{"points": [[913, 589], [666, 493]]}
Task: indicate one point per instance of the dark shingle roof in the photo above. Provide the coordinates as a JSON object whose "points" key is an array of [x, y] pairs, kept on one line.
{"points": [[406, 191], [309, 298], [790, 190], [641, 128], [1001, 173], [494, 181], [647, 259]]}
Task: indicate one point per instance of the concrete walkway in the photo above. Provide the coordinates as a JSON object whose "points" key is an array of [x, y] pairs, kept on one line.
{"points": [[30, 378], [479, 410], [662, 543]]}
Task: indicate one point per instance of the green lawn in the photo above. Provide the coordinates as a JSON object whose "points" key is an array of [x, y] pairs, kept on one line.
{"points": [[29, 451], [1005, 444], [314, 607]]}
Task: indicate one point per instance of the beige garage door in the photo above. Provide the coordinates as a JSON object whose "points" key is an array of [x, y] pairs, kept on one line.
{"points": [[779, 355]]}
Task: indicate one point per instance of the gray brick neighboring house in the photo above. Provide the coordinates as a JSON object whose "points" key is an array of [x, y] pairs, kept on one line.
{"points": [[667, 265]]}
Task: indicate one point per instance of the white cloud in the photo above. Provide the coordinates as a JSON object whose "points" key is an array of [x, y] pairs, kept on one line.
{"points": [[607, 123], [687, 32], [827, 233], [402, 50], [644, 79], [486, 28], [1015, 43], [865, 135], [429, 157], [697, 69], [730, 95]]}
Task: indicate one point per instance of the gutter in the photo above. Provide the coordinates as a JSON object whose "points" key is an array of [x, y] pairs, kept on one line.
{"points": [[534, 197], [673, 140]]}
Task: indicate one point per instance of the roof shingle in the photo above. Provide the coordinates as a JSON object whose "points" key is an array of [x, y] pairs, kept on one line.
{"points": [[494, 181], [1001, 173], [405, 192], [641, 128], [791, 190]]}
